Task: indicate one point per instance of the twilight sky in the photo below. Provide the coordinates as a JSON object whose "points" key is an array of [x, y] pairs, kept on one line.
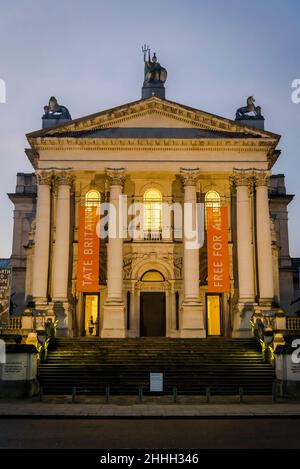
{"points": [[88, 54]]}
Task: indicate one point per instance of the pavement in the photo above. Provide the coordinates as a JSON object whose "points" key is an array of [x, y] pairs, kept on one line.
{"points": [[157, 407]]}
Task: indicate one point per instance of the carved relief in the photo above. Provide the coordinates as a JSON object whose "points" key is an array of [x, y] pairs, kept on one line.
{"points": [[153, 145], [127, 267], [174, 262], [178, 265]]}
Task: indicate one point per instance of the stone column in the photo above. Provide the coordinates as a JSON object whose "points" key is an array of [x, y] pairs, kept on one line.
{"points": [[264, 241], [243, 181], [114, 324], [42, 239], [64, 181], [192, 324]]}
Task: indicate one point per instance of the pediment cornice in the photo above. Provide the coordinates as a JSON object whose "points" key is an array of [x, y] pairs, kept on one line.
{"points": [[151, 106]]}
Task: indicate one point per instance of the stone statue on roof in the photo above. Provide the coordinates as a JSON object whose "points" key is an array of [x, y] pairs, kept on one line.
{"points": [[154, 73], [244, 112], [55, 111]]}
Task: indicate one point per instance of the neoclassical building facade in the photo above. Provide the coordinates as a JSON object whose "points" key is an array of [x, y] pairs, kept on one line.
{"points": [[155, 152]]}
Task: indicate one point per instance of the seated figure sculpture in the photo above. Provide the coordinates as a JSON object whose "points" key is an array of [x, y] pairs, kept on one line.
{"points": [[243, 112], [55, 111]]}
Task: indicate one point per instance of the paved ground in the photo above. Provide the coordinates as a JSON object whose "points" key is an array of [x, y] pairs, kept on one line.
{"points": [[150, 407], [150, 433]]}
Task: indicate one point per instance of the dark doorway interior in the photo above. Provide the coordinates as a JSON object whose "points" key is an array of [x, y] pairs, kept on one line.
{"points": [[152, 314]]}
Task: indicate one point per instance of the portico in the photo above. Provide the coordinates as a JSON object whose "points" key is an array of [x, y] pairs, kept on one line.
{"points": [[165, 156]]}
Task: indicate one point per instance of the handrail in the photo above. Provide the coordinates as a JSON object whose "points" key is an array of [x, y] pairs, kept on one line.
{"points": [[293, 323], [15, 322]]}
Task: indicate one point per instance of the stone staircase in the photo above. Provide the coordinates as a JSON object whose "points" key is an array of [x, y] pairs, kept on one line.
{"points": [[190, 365]]}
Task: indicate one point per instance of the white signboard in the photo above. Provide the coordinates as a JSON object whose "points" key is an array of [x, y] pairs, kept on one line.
{"points": [[15, 368], [156, 382], [293, 370], [286, 370]]}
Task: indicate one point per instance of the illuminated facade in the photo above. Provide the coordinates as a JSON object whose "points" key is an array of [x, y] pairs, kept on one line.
{"points": [[153, 151]]}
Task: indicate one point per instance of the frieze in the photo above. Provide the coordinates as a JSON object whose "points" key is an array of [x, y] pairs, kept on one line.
{"points": [[212, 145]]}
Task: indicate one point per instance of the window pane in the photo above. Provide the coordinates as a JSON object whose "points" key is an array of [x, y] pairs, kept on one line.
{"points": [[92, 198], [213, 315], [212, 199], [91, 314], [152, 211], [152, 276]]}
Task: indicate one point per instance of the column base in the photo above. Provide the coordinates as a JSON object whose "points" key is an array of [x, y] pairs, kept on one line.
{"points": [[63, 314], [265, 302], [40, 303], [114, 321], [192, 325], [242, 317]]}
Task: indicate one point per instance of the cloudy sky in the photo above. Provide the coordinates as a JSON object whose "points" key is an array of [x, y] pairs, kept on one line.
{"points": [[88, 54]]}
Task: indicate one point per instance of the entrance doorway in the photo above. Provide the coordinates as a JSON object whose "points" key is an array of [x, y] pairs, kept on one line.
{"points": [[152, 314], [91, 314], [213, 314]]}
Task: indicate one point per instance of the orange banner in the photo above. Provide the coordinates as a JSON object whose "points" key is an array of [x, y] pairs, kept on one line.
{"points": [[217, 249], [88, 251]]}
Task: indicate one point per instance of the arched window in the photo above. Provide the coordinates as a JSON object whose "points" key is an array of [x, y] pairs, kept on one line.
{"points": [[152, 276], [212, 199], [92, 198], [152, 214]]}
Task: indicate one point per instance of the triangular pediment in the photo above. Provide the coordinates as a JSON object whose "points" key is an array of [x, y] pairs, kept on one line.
{"points": [[153, 113]]}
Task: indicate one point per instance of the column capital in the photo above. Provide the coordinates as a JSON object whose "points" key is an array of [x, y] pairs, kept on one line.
{"points": [[44, 177], [189, 176], [116, 176], [64, 178], [261, 177], [242, 177]]}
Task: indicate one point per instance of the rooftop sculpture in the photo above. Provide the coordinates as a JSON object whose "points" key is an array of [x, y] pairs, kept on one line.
{"points": [[154, 72], [55, 111], [243, 112]]}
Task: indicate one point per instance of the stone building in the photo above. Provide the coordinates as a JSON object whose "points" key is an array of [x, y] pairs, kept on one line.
{"points": [[153, 151]]}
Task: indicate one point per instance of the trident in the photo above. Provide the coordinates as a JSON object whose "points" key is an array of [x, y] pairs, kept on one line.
{"points": [[145, 49]]}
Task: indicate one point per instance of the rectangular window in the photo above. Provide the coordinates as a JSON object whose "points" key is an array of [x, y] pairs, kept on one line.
{"points": [[213, 314], [91, 314]]}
